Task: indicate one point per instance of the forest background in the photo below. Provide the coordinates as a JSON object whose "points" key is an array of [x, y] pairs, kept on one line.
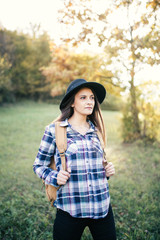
{"points": [[112, 43], [33, 66]]}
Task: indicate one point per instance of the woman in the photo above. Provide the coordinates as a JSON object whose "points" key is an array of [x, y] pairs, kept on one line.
{"points": [[83, 198]]}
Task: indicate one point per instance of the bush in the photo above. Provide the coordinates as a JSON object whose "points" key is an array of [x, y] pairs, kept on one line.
{"points": [[149, 121], [129, 133]]}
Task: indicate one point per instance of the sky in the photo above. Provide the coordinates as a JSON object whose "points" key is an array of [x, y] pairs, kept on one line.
{"points": [[18, 14]]}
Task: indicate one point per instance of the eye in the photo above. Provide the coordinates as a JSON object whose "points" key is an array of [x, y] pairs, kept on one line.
{"points": [[83, 97], [92, 97]]}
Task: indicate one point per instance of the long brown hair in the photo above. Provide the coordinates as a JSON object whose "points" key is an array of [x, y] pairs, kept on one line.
{"points": [[96, 116]]}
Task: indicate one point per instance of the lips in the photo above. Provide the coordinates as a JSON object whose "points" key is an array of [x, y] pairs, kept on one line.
{"points": [[89, 108]]}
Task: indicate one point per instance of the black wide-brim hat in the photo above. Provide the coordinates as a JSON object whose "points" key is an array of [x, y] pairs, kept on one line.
{"points": [[77, 84]]}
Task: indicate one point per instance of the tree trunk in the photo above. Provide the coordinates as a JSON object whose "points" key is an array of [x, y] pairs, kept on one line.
{"points": [[134, 109]]}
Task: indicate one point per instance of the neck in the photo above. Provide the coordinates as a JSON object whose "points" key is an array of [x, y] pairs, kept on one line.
{"points": [[79, 120]]}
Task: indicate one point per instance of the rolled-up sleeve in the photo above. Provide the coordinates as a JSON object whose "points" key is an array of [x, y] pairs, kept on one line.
{"points": [[43, 158]]}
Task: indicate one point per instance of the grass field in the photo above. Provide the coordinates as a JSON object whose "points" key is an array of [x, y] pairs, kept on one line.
{"points": [[25, 213]]}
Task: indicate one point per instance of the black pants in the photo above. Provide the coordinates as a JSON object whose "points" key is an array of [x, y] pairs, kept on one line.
{"points": [[67, 227]]}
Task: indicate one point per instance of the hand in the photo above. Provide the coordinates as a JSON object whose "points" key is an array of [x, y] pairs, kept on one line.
{"points": [[110, 170], [63, 176]]}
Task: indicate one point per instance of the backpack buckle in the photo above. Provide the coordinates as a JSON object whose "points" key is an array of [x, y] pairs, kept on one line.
{"points": [[62, 154]]}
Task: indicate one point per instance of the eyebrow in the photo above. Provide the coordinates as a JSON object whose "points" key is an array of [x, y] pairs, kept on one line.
{"points": [[86, 95]]}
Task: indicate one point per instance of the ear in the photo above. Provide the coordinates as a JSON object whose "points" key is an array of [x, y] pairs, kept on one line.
{"points": [[72, 105]]}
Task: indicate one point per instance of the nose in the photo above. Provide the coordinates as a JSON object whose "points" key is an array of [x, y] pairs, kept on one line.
{"points": [[90, 101]]}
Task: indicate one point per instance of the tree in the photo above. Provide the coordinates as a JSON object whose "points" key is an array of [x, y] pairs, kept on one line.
{"points": [[152, 38], [5, 81], [26, 55], [127, 45], [66, 65], [39, 56]]}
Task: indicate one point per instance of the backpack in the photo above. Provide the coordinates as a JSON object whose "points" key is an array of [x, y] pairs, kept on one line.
{"points": [[61, 142]]}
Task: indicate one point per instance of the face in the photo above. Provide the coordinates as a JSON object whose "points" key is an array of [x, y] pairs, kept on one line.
{"points": [[84, 102]]}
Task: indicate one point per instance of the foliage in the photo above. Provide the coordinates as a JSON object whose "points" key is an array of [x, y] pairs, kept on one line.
{"points": [[129, 133], [5, 81], [25, 55], [149, 117], [112, 102], [32, 67], [26, 213], [150, 121], [149, 114], [67, 65], [152, 38], [38, 69], [128, 46]]}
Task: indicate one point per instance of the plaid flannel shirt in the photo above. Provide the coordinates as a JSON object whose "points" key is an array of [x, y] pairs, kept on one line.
{"points": [[86, 193]]}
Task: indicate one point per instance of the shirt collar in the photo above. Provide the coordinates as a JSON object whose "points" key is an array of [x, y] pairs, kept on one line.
{"points": [[65, 123], [92, 127]]}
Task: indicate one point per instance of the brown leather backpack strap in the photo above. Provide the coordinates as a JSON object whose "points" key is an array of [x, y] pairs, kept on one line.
{"points": [[61, 142]]}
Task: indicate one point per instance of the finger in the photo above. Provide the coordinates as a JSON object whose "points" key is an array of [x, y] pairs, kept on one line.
{"points": [[63, 178], [61, 181], [65, 173], [69, 170], [109, 168], [109, 165], [110, 173]]}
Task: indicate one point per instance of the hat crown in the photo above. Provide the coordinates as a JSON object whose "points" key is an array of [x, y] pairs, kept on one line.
{"points": [[75, 84]]}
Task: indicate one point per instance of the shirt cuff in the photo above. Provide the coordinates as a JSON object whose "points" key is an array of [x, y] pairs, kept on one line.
{"points": [[52, 179]]}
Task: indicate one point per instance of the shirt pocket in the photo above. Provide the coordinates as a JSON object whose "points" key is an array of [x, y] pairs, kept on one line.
{"points": [[96, 153], [96, 145], [71, 152]]}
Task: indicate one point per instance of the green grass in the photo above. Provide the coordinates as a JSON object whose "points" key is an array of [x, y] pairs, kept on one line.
{"points": [[24, 210]]}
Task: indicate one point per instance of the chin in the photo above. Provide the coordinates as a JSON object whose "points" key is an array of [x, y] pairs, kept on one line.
{"points": [[89, 112]]}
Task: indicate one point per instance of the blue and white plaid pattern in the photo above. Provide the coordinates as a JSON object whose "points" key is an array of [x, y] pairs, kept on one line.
{"points": [[86, 193]]}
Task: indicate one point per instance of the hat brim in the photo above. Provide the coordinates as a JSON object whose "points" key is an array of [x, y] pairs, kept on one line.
{"points": [[96, 87]]}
